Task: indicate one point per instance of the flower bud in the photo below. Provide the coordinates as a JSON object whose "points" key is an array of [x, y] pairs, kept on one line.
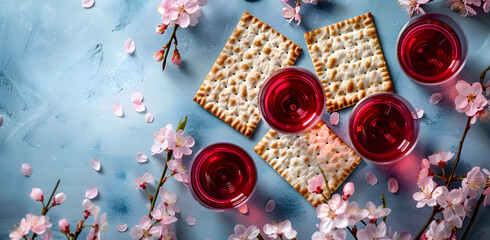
{"points": [[158, 56], [59, 199], [348, 190], [64, 226], [160, 29], [36, 194], [176, 59]]}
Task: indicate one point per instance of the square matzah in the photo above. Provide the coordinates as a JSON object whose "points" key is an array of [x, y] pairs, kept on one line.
{"points": [[348, 60], [297, 157], [253, 52]]}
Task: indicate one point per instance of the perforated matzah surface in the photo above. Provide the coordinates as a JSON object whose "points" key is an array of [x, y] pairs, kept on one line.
{"points": [[296, 158], [230, 90], [348, 59]]}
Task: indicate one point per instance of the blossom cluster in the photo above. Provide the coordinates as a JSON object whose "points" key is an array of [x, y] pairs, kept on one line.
{"points": [[291, 13], [463, 7], [471, 101], [276, 230], [455, 204]]}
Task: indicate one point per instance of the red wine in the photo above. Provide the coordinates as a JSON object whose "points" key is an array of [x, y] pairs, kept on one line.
{"points": [[382, 128], [429, 51], [223, 176], [292, 100]]}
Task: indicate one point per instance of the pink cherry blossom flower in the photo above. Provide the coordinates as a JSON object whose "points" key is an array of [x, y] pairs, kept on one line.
{"points": [[179, 171], [38, 224], [470, 99], [401, 236], [424, 172], [333, 212], [169, 200], [483, 114], [338, 234], [160, 29], [36, 194], [473, 182], [373, 232], [141, 181], [64, 225], [21, 230], [348, 190], [165, 233], [291, 13], [440, 159], [160, 214], [376, 212], [144, 230], [316, 184], [437, 231], [451, 202], [161, 139], [59, 199], [167, 12], [413, 6], [280, 230], [355, 214], [158, 56], [183, 9], [245, 233], [462, 7], [426, 195], [468, 205], [100, 226], [180, 144], [89, 208], [47, 236], [176, 59]]}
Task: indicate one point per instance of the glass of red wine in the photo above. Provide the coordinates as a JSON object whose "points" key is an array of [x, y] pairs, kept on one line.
{"points": [[222, 176], [431, 48], [292, 100], [383, 128]]}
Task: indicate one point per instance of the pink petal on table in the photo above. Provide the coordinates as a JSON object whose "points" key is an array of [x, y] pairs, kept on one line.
{"points": [[95, 163], [243, 209], [139, 106], [418, 114], [26, 169], [117, 109], [435, 98], [149, 118], [1, 120], [122, 227], [136, 97], [87, 3], [141, 157], [371, 179], [129, 45], [91, 192], [392, 185], [334, 118], [269, 207], [191, 220]]}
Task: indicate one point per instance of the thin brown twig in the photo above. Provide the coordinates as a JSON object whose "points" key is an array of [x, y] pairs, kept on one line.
{"points": [[167, 47], [473, 217]]}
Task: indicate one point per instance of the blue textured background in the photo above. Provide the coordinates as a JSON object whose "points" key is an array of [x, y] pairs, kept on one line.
{"points": [[62, 67]]}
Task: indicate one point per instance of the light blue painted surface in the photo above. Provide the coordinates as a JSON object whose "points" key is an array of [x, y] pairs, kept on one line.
{"points": [[62, 67]]}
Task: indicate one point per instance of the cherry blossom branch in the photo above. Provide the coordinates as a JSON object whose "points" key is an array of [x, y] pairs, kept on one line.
{"points": [[46, 209], [450, 178], [260, 237], [482, 76], [351, 232], [167, 46], [434, 212], [475, 212]]}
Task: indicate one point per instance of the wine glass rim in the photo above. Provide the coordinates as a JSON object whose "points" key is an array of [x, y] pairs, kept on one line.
{"points": [[454, 26], [285, 69], [404, 102], [192, 165]]}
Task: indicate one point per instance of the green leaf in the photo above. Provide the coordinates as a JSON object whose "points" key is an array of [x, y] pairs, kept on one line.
{"points": [[182, 124]]}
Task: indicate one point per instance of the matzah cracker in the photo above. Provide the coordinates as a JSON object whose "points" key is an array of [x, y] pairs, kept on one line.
{"points": [[297, 157], [253, 52], [348, 60]]}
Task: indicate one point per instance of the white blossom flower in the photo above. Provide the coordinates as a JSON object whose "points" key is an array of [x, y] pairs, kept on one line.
{"points": [[180, 144], [161, 139], [333, 212], [473, 182], [373, 232], [179, 171], [169, 200], [437, 231], [141, 181], [376, 212], [144, 231], [354, 213], [89, 208], [426, 195], [337, 234], [245, 233], [280, 230], [440, 159]]}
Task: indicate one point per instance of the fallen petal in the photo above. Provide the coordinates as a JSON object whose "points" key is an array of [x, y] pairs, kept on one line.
{"points": [[87, 3], [269, 207], [26, 169], [117, 109], [136, 97], [1, 120], [141, 157], [149, 118], [139, 106], [122, 227], [392, 185], [418, 114], [95, 163], [243, 209], [334, 118], [91, 192], [435, 98], [129, 46], [371, 179], [191, 220]]}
